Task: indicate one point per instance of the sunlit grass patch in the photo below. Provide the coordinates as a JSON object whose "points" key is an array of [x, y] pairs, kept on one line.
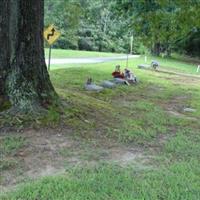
{"points": [[144, 122], [184, 145], [63, 53], [142, 114], [179, 181]]}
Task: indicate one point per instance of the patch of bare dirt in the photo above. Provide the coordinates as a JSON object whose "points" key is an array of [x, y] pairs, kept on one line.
{"points": [[179, 78], [187, 81], [175, 107], [39, 157], [130, 156], [180, 115], [50, 152]]}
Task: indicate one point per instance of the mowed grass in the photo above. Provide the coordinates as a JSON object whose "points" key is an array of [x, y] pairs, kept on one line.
{"points": [[62, 53], [177, 65], [173, 64], [142, 104], [113, 182], [134, 115]]}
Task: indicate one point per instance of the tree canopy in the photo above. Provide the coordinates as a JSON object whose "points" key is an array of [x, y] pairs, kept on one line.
{"points": [[157, 25]]}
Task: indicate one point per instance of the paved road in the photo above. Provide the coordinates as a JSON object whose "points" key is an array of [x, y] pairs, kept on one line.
{"points": [[88, 60]]}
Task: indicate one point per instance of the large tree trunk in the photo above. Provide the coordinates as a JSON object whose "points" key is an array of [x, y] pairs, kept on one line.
{"points": [[4, 50], [28, 85]]}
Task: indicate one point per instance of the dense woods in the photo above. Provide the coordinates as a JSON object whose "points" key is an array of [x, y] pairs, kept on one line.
{"points": [[157, 26]]}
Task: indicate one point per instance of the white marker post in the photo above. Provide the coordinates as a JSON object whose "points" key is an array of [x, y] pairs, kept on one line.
{"points": [[49, 61], [127, 61], [131, 44], [198, 68]]}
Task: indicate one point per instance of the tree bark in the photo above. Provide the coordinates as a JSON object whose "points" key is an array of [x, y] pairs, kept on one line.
{"points": [[28, 85], [4, 50]]}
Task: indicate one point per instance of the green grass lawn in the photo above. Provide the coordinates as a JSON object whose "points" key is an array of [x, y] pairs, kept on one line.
{"points": [[167, 63], [131, 115], [113, 182], [62, 53], [177, 65]]}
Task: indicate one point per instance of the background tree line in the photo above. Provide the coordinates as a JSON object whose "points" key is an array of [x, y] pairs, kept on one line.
{"points": [[157, 26]]}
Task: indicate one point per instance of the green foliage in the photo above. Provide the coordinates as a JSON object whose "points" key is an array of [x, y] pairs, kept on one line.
{"points": [[4, 105], [65, 14], [160, 26], [103, 29], [89, 25], [190, 44]]}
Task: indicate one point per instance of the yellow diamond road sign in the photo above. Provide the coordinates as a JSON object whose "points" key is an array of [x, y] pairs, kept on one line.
{"points": [[51, 34]]}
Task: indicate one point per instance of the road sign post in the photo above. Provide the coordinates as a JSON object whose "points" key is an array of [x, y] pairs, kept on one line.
{"points": [[49, 61], [51, 35]]}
